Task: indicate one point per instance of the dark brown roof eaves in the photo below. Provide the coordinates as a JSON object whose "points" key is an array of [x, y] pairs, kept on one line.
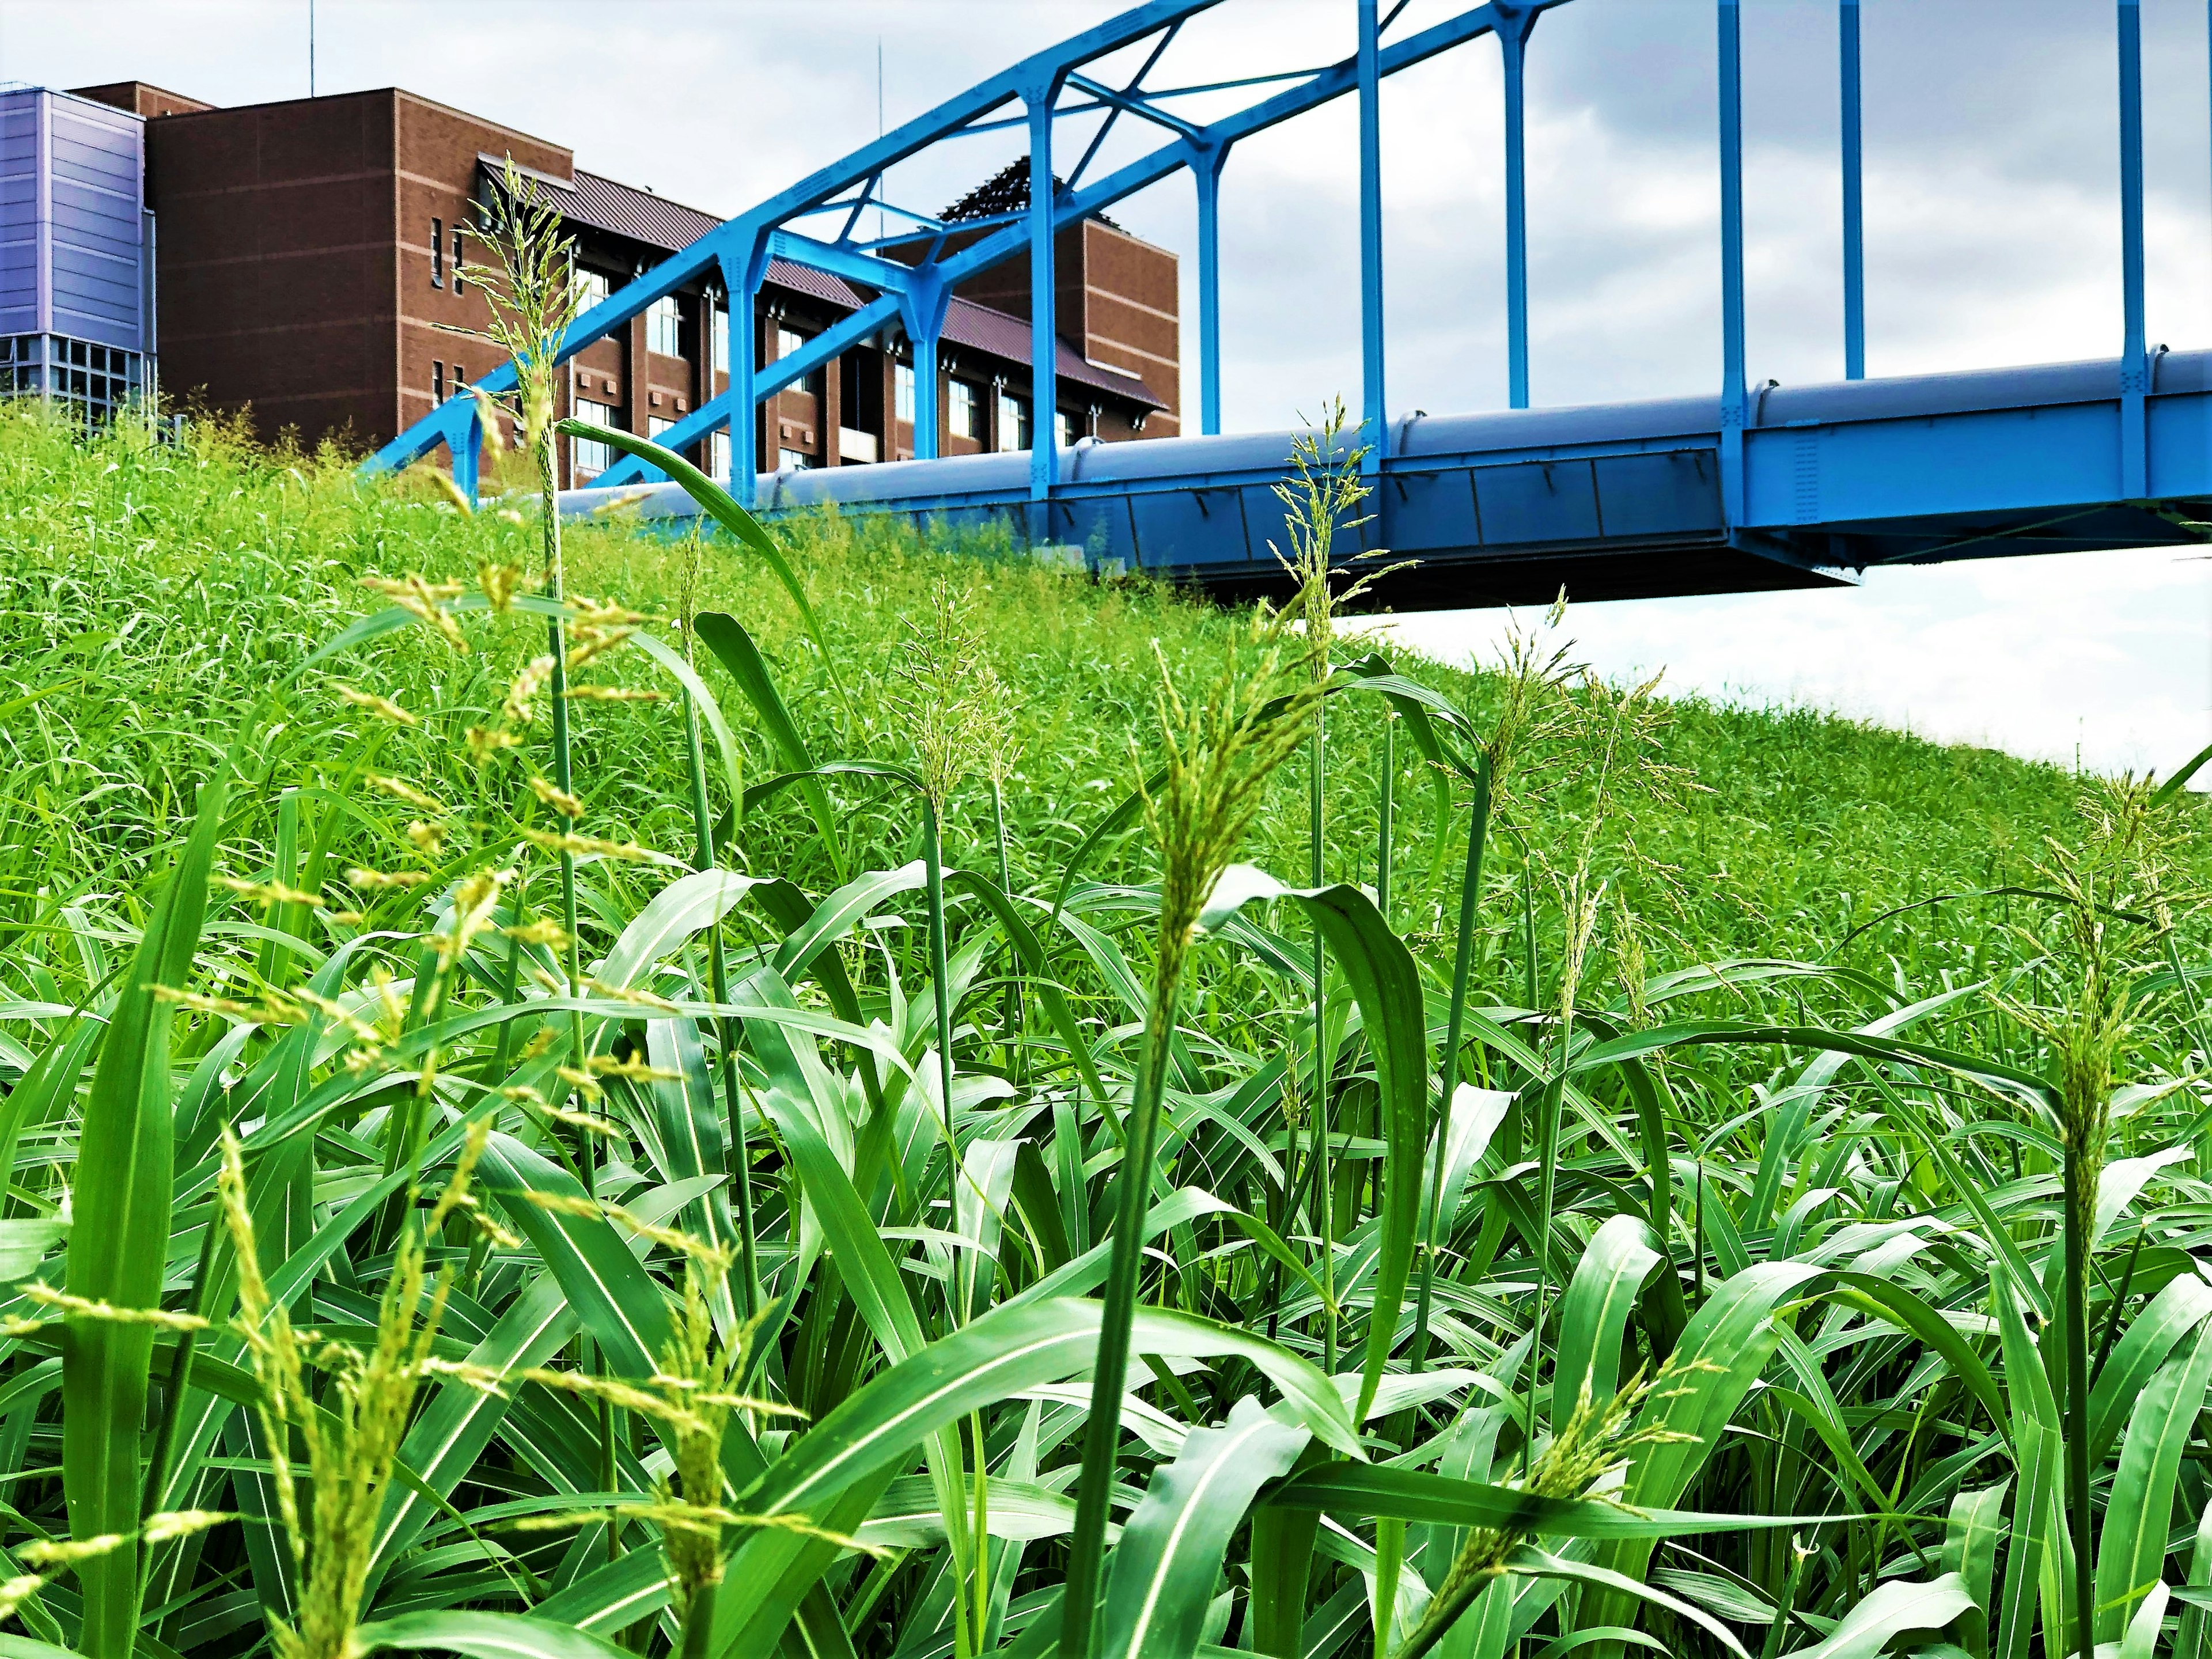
{"points": [[981, 328]]}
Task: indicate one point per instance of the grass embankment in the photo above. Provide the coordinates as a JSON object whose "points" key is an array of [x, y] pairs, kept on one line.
{"points": [[149, 596]]}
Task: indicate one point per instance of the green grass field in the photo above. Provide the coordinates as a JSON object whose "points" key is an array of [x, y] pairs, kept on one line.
{"points": [[404, 1250]]}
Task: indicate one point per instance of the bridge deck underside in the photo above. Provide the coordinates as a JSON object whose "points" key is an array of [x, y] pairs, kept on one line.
{"points": [[1612, 502]]}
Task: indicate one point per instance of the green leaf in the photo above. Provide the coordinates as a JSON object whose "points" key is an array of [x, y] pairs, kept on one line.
{"points": [[1173, 1544], [733, 647], [483, 1636], [121, 1208], [690, 904], [2151, 1335], [24, 1243], [1533, 1563], [1970, 1550], [859, 1446], [1891, 1610], [1386, 986], [452, 1431], [620, 1303], [2037, 1455], [2131, 1544], [1376, 1491], [1595, 1312]]}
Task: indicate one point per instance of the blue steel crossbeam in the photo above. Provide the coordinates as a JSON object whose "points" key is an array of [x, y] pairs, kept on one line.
{"points": [[1736, 490]]}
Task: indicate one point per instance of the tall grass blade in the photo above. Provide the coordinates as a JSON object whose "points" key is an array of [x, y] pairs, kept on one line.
{"points": [[121, 1238]]}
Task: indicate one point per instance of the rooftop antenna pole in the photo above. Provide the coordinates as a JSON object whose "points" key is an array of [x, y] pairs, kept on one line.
{"points": [[879, 128], [311, 48]]}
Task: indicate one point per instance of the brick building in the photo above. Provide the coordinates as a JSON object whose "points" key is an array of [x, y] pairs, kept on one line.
{"points": [[308, 270]]}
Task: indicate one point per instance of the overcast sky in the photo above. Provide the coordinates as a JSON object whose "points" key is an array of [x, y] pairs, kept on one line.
{"points": [[1992, 237]]}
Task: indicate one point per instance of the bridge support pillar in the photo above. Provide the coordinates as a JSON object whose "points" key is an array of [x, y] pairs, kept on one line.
{"points": [[1205, 169], [2134, 363], [1045, 335], [1373, 429], [1733, 395], [742, 277], [1515, 25], [1854, 221], [464, 441]]}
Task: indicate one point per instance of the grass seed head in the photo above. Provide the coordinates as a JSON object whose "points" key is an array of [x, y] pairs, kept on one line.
{"points": [[383, 708], [532, 287], [943, 698], [1220, 752]]}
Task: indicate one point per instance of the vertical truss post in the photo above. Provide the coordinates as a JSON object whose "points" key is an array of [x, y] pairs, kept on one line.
{"points": [[2135, 365], [925, 418], [921, 308], [1045, 335], [1513, 24], [1372, 428], [1733, 398], [743, 279], [464, 440], [1847, 23], [1205, 169]]}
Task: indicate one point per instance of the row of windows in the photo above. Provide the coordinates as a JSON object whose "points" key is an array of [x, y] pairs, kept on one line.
{"points": [[963, 413], [663, 320], [96, 383], [437, 257], [439, 383]]}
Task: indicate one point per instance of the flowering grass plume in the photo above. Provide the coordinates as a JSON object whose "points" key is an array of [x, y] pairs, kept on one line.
{"points": [[1581, 1461], [353, 1434], [1221, 751]]}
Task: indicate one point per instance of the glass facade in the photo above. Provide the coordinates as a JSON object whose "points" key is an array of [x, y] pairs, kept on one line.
{"points": [[96, 382]]}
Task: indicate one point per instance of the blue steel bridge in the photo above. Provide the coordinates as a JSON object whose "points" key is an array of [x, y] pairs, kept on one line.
{"points": [[1744, 488]]}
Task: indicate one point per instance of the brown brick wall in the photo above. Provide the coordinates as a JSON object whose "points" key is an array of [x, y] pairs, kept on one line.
{"points": [[295, 277]]}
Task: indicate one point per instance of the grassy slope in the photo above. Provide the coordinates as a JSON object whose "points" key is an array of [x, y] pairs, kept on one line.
{"points": [[148, 596]]}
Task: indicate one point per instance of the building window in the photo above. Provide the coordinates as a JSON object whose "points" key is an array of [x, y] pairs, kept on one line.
{"points": [[459, 282], [94, 383], [664, 327], [718, 455], [962, 412], [590, 456], [657, 424], [902, 380], [789, 343], [437, 381], [437, 253], [1063, 429], [721, 339], [460, 380], [591, 288], [1013, 421], [798, 459]]}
